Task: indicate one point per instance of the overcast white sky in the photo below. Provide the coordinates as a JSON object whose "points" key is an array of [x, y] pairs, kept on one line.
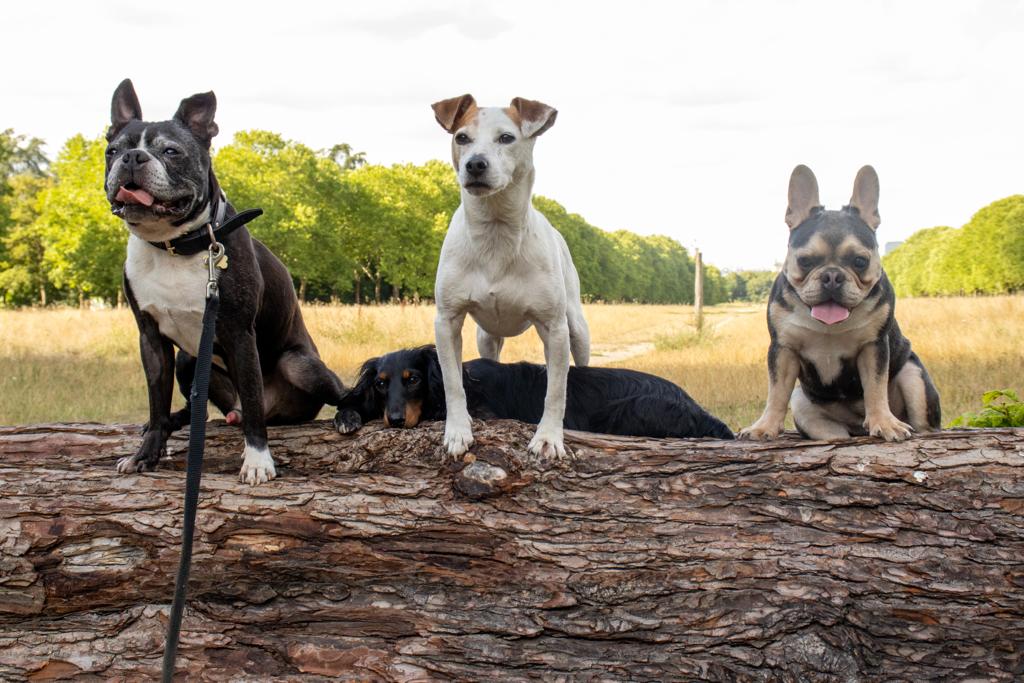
{"points": [[680, 118]]}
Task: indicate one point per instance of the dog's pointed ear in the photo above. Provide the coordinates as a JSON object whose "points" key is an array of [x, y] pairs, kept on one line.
{"points": [[449, 112], [803, 196], [124, 108], [534, 117], [197, 114], [865, 196]]}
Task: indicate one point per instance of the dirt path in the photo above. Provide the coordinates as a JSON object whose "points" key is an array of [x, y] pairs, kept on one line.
{"points": [[604, 354]]}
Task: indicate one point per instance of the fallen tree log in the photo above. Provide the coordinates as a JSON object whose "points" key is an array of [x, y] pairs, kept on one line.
{"points": [[371, 558]]}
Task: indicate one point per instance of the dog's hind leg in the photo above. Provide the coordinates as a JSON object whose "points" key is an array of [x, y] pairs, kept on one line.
{"points": [[488, 345], [308, 373], [917, 397], [660, 417], [184, 372], [579, 336], [223, 395], [814, 421]]}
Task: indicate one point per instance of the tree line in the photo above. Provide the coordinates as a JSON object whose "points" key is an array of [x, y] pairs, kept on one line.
{"points": [[985, 256], [349, 231]]}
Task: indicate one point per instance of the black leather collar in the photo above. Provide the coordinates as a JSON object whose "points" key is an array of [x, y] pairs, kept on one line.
{"points": [[198, 240]]}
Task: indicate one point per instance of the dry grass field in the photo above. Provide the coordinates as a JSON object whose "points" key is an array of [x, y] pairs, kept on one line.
{"points": [[71, 365]]}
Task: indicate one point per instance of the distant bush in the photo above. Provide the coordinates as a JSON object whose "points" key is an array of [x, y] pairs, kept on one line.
{"points": [[998, 409]]}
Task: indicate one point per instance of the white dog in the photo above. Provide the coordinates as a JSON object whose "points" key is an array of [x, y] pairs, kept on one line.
{"points": [[503, 263]]}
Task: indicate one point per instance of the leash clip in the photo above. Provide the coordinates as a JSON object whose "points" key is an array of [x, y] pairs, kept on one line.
{"points": [[213, 259]]}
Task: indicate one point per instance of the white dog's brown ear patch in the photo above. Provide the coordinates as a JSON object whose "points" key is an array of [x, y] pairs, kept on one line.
{"points": [[450, 113], [803, 196], [532, 117], [865, 196]]}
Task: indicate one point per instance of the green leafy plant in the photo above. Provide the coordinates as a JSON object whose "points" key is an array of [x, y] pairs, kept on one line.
{"points": [[998, 409]]}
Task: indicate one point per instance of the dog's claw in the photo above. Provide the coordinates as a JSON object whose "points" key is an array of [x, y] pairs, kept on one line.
{"points": [[347, 421], [257, 467], [136, 464], [759, 432], [889, 428], [548, 445]]}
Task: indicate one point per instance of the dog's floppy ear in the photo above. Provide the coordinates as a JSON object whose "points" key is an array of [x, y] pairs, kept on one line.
{"points": [[361, 395], [803, 196], [449, 112], [124, 108], [534, 117], [197, 113], [435, 408], [865, 196]]}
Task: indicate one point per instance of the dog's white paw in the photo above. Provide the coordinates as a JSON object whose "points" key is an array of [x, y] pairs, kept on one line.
{"points": [[762, 430], [888, 427], [257, 466], [548, 444], [458, 437]]}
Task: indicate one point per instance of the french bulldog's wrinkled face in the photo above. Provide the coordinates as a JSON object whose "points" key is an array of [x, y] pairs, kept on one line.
{"points": [[492, 146], [833, 261], [158, 174]]}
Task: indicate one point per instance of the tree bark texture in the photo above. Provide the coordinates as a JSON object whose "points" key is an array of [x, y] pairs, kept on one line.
{"points": [[371, 557]]}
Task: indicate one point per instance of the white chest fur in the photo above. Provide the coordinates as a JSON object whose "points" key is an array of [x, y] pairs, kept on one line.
{"points": [[172, 289]]}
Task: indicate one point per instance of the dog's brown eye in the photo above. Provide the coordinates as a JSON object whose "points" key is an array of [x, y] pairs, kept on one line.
{"points": [[380, 384], [805, 262], [414, 379], [111, 151], [461, 139], [860, 263], [506, 138]]}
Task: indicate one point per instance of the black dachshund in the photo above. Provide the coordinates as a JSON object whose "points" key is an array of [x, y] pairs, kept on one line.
{"points": [[405, 388]]}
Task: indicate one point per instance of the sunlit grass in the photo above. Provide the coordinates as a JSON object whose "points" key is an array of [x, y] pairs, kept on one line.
{"points": [[66, 365]]}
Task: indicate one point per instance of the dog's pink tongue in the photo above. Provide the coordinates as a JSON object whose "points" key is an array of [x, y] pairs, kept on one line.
{"points": [[139, 196], [830, 313]]}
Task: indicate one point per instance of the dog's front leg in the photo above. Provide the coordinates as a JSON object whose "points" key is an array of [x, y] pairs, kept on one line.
{"points": [[244, 367], [458, 431], [548, 441], [783, 368], [158, 364], [873, 366]]}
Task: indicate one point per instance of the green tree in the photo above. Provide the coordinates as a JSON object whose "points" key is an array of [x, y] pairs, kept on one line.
{"points": [[343, 155], [306, 208], [592, 249], [22, 176], [985, 256], [403, 226], [23, 272], [84, 243]]}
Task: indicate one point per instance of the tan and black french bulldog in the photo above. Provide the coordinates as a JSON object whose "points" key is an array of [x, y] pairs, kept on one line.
{"points": [[832, 325]]}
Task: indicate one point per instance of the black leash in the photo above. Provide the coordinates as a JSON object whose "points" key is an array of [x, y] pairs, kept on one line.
{"points": [[216, 259], [194, 467]]}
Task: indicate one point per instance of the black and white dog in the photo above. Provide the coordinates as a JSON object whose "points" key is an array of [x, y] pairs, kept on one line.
{"points": [[406, 387], [266, 367]]}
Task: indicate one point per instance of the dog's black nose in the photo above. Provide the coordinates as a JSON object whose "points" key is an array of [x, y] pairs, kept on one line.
{"points": [[396, 420], [832, 279], [476, 165], [136, 157]]}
